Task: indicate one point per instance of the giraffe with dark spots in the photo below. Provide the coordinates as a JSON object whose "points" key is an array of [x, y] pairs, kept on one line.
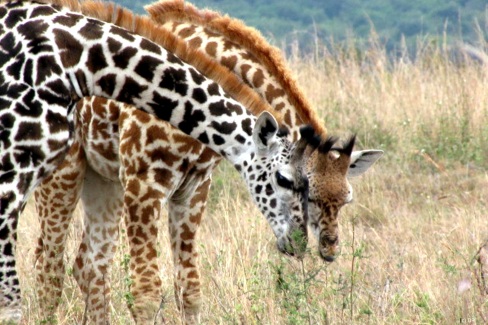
{"points": [[26, 162], [295, 107]]}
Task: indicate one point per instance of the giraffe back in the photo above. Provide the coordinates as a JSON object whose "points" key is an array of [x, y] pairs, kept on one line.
{"points": [[244, 51]]}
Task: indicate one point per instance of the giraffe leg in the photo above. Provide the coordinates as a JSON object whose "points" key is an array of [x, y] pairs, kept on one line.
{"points": [[56, 200], [24, 162], [186, 213], [102, 203], [11, 205], [142, 205]]}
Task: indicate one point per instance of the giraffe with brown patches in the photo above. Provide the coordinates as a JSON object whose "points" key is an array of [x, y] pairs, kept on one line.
{"points": [[259, 65], [51, 56]]}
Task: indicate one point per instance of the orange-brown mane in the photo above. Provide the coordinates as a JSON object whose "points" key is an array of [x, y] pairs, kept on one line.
{"points": [[143, 26], [248, 38]]}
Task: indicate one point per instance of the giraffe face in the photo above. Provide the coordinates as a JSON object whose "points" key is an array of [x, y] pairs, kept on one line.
{"points": [[329, 171], [275, 175], [329, 196]]}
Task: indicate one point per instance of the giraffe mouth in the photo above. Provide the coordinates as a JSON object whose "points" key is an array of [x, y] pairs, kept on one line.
{"points": [[327, 258], [294, 248], [328, 252]]}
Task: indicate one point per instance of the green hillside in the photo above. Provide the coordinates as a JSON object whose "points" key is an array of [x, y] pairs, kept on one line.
{"points": [[284, 21]]}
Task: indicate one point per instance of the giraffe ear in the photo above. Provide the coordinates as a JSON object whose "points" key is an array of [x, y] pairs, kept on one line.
{"points": [[265, 130], [362, 160]]}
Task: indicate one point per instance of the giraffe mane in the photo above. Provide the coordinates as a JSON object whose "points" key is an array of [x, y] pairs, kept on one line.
{"points": [[145, 27], [248, 38], [73, 5]]}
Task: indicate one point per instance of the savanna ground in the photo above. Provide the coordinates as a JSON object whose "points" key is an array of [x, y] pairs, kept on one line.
{"points": [[408, 241]]}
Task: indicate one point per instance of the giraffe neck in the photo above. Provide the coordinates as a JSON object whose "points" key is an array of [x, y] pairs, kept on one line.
{"points": [[100, 59], [245, 52]]}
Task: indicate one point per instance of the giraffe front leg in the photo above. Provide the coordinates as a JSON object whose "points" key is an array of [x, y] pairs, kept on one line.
{"points": [[185, 215], [102, 203], [11, 204], [142, 205], [56, 200], [24, 161]]}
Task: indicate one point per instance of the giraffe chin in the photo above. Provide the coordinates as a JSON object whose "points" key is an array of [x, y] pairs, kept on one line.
{"points": [[287, 247], [328, 254], [328, 258]]}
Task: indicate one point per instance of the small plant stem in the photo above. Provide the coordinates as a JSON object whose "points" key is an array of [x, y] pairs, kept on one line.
{"points": [[305, 290], [353, 261]]}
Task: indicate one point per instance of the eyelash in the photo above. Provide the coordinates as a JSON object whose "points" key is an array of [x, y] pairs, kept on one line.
{"points": [[283, 182]]}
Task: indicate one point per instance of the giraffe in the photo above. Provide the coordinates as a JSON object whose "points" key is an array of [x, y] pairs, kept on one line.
{"points": [[187, 286], [247, 53], [243, 50], [51, 56]]}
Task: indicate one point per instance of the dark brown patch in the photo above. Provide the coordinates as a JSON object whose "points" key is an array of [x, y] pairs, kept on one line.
{"points": [[187, 31], [224, 127], [107, 83], [96, 59], [272, 92], [150, 46], [130, 90], [91, 31], [14, 16], [122, 33], [248, 56], [70, 48], [122, 58], [213, 89], [68, 20], [258, 78], [230, 62], [146, 67], [244, 70], [228, 45], [211, 49], [28, 131], [113, 45], [42, 11], [195, 42]]}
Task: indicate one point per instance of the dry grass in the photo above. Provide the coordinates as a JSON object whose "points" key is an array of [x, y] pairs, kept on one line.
{"points": [[408, 242]]}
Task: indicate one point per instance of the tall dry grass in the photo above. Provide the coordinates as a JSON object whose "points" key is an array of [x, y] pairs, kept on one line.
{"points": [[408, 241]]}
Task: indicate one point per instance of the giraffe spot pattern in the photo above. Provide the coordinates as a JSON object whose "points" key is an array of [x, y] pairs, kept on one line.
{"points": [[122, 33], [65, 41], [191, 119], [146, 67], [224, 127], [175, 80], [150, 47], [96, 58], [130, 90], [195, 42], [211, 49], [122, 58], [92, 30]]}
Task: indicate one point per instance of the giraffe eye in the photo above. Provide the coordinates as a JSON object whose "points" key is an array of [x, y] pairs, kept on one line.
{"points": [[283, 181]]}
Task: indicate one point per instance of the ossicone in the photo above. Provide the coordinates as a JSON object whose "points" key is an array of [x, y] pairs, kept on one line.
{"points": [[309, 141]]}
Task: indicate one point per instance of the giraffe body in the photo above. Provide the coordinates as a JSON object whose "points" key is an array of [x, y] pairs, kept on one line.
{"points": [[285, 98], [51, 57]]}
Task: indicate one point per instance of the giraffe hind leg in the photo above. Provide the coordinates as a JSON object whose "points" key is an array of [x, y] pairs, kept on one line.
{"points": [[56, 200], [185, 217], [102, 203]]}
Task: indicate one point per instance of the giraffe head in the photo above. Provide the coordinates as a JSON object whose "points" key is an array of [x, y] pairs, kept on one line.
{"points": [[334, 165], [276, 176]]}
